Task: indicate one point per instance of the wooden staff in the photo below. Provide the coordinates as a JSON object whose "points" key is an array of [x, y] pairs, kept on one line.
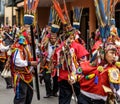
{"points": [[34, 58]]}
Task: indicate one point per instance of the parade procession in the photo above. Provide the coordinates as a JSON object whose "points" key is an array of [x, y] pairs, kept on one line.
{"points": [[60, 52]]}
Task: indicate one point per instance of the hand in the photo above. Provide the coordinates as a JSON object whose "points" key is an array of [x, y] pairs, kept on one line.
{"points": [[34, 63], [71, 81]]}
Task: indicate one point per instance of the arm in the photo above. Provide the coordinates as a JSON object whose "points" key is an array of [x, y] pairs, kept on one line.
{"points": [[18, 61]]}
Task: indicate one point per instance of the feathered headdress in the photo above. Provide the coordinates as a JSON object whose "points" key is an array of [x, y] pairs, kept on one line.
{"points": [[62, 13], [29, 10], [77, 13], [103, 17], [54, 20]]}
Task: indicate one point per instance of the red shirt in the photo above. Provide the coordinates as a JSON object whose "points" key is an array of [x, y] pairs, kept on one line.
{"points": [[80, 51]]}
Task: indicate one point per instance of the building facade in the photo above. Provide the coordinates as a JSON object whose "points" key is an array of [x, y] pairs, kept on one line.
{"points": [[88, 19], [2, 3]]}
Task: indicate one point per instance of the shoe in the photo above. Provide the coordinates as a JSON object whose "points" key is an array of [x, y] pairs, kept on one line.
{"points": [[47, 96], [9, 87], [55, 95]]}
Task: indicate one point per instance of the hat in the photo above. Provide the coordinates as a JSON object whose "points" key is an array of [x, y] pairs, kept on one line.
{"points": [[100, 50], [110, 46], [28, 19], [54, 21], [55, 28]]}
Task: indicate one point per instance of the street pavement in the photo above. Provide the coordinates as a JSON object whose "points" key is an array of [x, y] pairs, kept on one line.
{"points": [[7, 95]]}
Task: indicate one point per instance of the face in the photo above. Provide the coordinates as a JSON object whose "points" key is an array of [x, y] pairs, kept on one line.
{"points": [[53, 39], [110, 56]]}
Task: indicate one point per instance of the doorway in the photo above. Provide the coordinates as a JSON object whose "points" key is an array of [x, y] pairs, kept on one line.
{"points": [[84, 25], [117, 17]]}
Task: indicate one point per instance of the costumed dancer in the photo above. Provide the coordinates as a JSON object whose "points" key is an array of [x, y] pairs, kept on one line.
{"points": [[48, 45], [3, 59], [47, 51], [67, 57], [101, 79], [62, 62], [22, 75]]}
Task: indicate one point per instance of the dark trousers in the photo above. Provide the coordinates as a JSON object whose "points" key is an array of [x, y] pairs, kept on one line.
{"points": [[47, 80], [55, 84], [24, 93], [66, 91], [7, 80], [86, 100]]}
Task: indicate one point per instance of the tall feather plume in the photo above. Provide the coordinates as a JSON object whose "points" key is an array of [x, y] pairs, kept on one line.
{"points": [[100, 12], [36, 4], [33, 4], [112, 7], [77, 13], [59, 11], [66, 12], [55, 17], [50, 16], [25, 6], [29, 5]]}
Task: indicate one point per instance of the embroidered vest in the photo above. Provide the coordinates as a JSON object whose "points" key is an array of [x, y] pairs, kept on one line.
{"points": [[24, 72]]}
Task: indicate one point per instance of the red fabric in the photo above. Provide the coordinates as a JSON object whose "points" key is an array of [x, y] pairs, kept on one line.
{"points": [[80, 51], [63, 75], [96, 45], [25, 34], [86, 67], [89, 85]]}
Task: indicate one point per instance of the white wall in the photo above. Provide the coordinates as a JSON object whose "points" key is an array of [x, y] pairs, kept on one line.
{"points": [[8, 14], [2, 4]]}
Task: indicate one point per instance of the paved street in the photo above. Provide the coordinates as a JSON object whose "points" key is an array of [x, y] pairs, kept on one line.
{"points": [[7, 95]]}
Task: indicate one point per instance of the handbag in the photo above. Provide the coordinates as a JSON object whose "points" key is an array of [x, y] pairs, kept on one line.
{"points": [[6, 73]]}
